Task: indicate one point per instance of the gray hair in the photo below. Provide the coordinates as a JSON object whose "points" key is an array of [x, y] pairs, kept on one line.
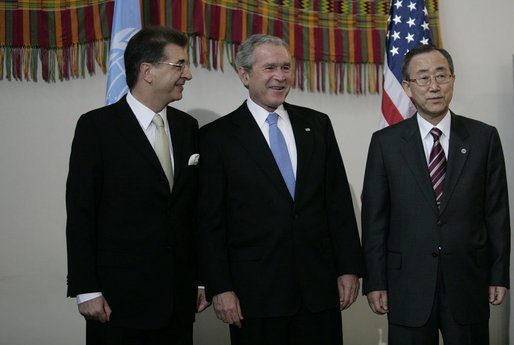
{"points": [[245, 53]]}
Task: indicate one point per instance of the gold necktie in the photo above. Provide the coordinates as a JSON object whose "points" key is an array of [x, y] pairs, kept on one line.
{"points": [[162, 148]]}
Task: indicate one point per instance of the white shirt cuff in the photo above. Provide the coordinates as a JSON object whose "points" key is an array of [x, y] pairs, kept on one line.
{"points": [[84, 297]]}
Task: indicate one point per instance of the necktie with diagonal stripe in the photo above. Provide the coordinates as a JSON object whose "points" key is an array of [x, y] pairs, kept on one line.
{"points": [[437, 165]]}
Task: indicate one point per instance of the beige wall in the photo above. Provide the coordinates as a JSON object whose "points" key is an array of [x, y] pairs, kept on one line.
{"points": [[36, 127]]}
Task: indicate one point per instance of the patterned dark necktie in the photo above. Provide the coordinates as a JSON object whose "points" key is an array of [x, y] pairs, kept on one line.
{"points": [[437, 165]]}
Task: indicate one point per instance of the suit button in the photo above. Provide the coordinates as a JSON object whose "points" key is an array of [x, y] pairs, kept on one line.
{"points": [[440, 223], [434, 254]]}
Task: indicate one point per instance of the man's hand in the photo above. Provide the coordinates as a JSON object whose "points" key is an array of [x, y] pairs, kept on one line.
{"points": [[227, 308], [497, 294], [378, 301], [96, 309], [201, 301], [348, 287]]}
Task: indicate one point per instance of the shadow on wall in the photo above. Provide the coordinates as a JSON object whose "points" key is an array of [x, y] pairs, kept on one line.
{"points": [[203, 116]]}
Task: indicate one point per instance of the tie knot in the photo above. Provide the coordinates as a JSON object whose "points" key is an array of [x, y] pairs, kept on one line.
{"points": [[157, 120], [272, 118], [436, 133]]}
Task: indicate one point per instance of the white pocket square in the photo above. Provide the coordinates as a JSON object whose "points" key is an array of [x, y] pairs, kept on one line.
{"points": [[194, 159]]}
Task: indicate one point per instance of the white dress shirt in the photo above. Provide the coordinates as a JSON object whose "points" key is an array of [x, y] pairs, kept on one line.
{"points": [[284, 124], [144, 116], [428, 140]]}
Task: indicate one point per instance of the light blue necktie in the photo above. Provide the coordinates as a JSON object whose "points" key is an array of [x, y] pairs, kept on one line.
{"points": [[279, 150]]}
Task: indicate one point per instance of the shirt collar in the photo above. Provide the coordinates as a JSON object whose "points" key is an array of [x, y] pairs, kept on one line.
{"points": [[425, 127], [143, 114], [260, 114]]}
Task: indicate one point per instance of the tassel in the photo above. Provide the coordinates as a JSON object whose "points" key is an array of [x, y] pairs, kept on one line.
{"points": [[192, 43], [2, 49], [220, 46], [58, 53], [82, 59], [8, 63], [34, 52], [17, 64], [75, 58], [214, 49]]}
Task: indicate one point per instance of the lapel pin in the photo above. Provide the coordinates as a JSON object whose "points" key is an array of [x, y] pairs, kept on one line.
{"points": [[307, 129], [463, 151]]}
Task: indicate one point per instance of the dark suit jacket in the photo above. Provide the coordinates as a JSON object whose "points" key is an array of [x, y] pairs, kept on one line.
{"points": [[127, 235], [403, 228], [273, 252]]}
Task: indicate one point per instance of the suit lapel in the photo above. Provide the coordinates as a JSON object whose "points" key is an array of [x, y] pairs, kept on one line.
{"points": [[414, 156], [251, 139], [304, 146], [459, 149], [131, 130]]}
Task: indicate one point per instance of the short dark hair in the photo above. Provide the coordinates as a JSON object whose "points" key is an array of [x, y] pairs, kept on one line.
{"points": [[426, 48], [147, 45]]}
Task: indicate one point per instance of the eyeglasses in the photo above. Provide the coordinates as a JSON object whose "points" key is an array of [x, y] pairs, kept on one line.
{"points": [[179, 66], [427, 79]]}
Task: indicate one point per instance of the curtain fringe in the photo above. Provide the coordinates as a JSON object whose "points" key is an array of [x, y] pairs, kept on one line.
{"points": [[71, 62], [21, 63], [320, 76]]}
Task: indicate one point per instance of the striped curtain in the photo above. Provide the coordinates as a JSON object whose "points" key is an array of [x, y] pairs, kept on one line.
{"points": [[336, 45], [67, 37]]}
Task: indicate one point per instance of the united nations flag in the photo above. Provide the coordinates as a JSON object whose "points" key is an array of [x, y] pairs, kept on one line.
{"points": [[126, 22]]}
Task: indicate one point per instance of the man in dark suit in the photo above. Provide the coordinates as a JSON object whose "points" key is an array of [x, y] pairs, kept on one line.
{"points": [[130, 197], [435, 215], [280, 251]]}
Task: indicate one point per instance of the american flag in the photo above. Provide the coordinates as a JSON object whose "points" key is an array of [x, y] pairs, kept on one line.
{"points": [[407, 28]]}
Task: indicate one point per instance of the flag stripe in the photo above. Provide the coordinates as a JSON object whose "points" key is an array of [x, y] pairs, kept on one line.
{"points": [[397, 95], [389, 108]]}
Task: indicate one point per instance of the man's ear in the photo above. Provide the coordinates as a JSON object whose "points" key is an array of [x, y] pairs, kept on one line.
{"points": [[145, 72], [244, 75], [406, 88]]}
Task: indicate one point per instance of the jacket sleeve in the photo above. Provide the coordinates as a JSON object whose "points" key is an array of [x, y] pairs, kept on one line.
{"points": [[375, 218], [214, 269], [83, 188], [341, 215], [497, 214]]}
